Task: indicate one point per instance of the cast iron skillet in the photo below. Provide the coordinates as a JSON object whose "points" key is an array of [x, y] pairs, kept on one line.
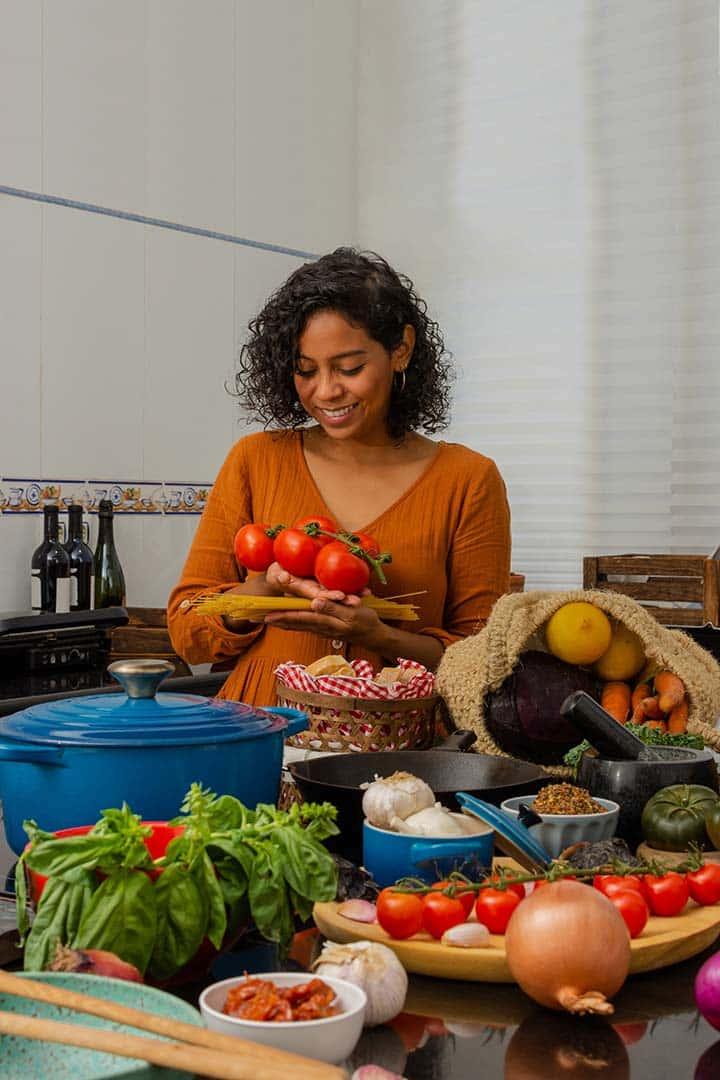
{"points": [[336, 778]]}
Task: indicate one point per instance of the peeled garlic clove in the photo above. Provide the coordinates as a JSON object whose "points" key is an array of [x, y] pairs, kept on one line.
{"points": [[359, 910], [467, 935]]}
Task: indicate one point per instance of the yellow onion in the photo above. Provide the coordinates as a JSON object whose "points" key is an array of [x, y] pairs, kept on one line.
{"points": [[568, 948]]}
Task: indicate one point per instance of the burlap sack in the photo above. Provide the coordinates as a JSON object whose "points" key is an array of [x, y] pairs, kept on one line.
{"points": [[479, 664]]}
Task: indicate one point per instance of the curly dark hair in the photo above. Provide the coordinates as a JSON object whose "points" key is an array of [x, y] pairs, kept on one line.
{"points": [[366, 290]]}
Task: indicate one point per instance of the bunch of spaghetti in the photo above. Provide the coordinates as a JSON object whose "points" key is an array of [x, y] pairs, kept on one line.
{"points": [[254, 608]]}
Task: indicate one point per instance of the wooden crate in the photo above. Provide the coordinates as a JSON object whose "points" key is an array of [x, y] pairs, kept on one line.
{"points": [[145, 635], [679, 590]]}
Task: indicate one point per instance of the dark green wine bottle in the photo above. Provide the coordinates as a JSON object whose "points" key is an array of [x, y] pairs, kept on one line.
{"points": [[109, 577]]}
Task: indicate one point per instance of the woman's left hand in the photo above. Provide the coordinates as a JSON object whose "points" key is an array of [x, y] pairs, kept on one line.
{"points": [[349, 620]]}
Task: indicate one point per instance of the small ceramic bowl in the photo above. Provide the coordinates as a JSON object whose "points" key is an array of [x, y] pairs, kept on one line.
{"points": [[330, 1040], [558, 831]]}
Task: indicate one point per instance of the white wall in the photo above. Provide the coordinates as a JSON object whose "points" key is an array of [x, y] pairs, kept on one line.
{"points": [[116, 338]]}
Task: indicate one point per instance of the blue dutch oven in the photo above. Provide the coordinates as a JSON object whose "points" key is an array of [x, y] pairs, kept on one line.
{"points": [[389, 856], [63, 762]]}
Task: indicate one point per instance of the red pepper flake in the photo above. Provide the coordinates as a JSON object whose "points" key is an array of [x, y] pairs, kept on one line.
{"points": [[566, 799]]}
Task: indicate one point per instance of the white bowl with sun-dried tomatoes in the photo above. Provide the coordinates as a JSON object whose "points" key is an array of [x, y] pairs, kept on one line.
{"points": [[293, 1015]]}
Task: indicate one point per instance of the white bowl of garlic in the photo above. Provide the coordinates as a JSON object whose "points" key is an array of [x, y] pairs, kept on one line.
{"points": [[406, 833]]}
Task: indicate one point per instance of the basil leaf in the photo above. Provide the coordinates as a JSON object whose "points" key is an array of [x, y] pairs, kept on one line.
{"points": [[301, 906], [268, 897], [226, 813], [182, 916], [121, 917], [217, 916], [58, 910], [232, 879], [307, 866], [55, 857], [21, 899]]}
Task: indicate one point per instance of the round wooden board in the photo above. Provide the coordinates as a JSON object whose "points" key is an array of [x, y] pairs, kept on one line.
{"points": [[663, 942]]}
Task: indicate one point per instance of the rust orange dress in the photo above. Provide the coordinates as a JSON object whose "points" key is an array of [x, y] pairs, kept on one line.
{"points": [[449, 534]]}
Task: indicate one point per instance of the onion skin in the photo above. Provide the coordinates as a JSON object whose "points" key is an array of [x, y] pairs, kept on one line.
{"points": [[707, 990], [94, 962], [567, 947]]}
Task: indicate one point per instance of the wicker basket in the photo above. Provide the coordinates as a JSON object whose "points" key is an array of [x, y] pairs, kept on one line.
{"points": [[343, 724]]}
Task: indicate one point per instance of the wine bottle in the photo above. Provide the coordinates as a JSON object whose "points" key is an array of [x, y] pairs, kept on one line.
{"points": [[82, 566], [50, 569], [109, 577]]}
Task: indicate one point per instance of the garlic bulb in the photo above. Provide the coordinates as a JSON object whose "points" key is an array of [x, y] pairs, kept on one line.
{"points": [[437, 821], [398, 795], [374, 968]]}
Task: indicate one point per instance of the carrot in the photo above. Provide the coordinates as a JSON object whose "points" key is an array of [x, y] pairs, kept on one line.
{"points": [[670, 689], [641, 691], [615, 699], [647, 709], [659, 724], [677, 720]]}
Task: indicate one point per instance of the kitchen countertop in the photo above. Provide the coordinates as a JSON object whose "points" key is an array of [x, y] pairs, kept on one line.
{"points": [[459, 1030]]}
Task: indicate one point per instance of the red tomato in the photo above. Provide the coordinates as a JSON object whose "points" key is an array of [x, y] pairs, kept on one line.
{"points": [[704, 884], [518, 888], [466, 896], [544, 881], [253, 547], [612, 883], [633, 909], [440, 912], [665, 895], [296, 552], [494, 907], [337, 568], [631, 1033], [399, 914], [367, 543], [325, 523]]}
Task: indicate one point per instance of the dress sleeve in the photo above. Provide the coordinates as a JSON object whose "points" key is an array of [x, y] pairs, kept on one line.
{"points": [[478, 566], [211, 566]]}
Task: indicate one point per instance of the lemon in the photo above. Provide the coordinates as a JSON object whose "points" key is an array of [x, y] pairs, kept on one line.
{"points": [[578, 633], [624, 658]]}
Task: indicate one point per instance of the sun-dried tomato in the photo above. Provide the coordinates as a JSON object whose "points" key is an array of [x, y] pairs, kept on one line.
{"points": [[261, 999]]}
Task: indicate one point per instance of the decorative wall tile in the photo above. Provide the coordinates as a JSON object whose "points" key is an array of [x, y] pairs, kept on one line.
{"points": [[24, 496]]}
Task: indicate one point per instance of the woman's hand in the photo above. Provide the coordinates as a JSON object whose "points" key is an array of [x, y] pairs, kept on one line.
{"points": [[334, 614]]}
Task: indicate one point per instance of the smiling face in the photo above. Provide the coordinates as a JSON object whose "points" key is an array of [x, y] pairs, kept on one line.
{"points": [[343, 377]]}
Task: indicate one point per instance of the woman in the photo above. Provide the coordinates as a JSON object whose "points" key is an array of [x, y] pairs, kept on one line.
{"points": [[345, 364]]}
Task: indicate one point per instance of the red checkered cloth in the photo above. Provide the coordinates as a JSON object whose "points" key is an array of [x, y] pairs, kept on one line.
{"points": [[361, 685]]}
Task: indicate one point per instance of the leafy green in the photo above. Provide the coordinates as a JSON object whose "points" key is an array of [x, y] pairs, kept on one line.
{"points": [[229, 865]]}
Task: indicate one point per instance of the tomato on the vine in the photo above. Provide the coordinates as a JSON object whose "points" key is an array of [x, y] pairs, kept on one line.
{"points": [[367, 543], [666, 894], [494, 907], [253, 547], [337, 568], [518, 887], [612, 883], [465, 896], [633, 909], [399, 914], [440, 912], [325, 523], [704, 884], [296, 552]]}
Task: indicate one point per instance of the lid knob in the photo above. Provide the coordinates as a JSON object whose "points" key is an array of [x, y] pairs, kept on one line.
{"points": [[140, 678]]}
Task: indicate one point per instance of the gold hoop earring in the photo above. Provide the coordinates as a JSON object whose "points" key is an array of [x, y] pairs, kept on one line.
{"points": [[402, 381]]}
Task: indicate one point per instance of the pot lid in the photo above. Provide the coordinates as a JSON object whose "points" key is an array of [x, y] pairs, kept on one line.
{"points": [[511, 837], [141, 716]]}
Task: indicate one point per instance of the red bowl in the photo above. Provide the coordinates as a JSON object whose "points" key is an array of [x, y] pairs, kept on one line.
{"points": [[156, 843]]}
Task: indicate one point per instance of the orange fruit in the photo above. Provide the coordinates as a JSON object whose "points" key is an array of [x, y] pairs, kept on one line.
{"points": [[578, 633], [624, 657]]}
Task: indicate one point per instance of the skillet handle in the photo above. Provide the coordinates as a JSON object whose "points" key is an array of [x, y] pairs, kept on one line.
{"points": [[37, 755], [457, 740]]}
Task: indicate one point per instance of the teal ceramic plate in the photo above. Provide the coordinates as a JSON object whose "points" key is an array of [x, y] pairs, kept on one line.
{"points": [[26, 1059]]}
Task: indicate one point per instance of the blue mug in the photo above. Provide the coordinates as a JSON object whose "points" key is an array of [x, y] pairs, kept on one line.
{"points": [[389, 856]]}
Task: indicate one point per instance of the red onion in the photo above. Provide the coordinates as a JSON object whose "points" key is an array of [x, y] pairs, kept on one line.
{"points": [[94, 962], [707, 990]]}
